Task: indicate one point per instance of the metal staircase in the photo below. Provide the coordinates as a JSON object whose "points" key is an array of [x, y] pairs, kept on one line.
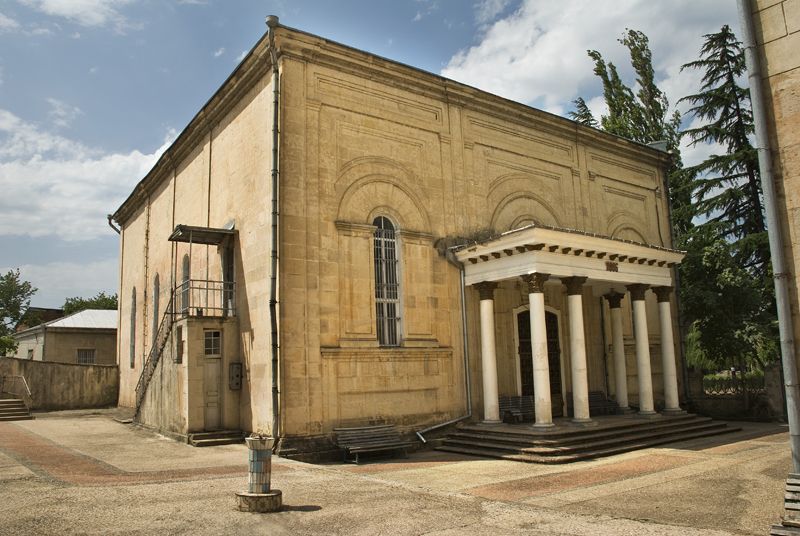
{"points": [[159, 342]]}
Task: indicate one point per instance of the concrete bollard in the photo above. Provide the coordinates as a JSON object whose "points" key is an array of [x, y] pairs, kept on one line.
{"points": [[259, 497]]}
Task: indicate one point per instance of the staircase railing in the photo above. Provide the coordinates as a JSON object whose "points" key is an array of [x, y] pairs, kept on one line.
{"points": [[17, 385], [159, 342]]}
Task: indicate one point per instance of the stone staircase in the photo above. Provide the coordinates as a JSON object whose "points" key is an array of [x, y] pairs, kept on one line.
{"points": [[790, 524], [14, 409], [569, 443], [213, 439]]}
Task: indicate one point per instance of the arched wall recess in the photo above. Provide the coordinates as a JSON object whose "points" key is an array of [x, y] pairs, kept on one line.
{"points": [[523, 206]]}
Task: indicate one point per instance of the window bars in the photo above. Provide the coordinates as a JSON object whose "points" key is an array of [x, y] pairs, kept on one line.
{"points": [[387, 287]]}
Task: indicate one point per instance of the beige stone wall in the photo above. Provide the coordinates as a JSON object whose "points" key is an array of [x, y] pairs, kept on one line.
{"points": [[31, 341], [222, 180], [777, 25], [360, 138], [61, 345], [57, 386]]}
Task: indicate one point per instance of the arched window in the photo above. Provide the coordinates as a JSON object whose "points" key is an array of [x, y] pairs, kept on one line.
{"points": [[133, 328], [155, 307], [387, 286], [185, 285]]}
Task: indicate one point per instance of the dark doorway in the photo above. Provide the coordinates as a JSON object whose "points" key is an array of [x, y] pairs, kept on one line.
{"points": [[553, 358]]}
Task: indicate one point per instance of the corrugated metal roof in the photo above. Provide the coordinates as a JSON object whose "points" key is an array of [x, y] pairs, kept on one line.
{"points": [[90, 318]]}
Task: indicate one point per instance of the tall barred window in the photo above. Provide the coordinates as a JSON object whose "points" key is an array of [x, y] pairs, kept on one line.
{"points": [[387, 286]]}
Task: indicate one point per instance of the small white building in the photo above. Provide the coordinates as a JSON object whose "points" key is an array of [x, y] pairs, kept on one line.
{"points": [[88, 337]]}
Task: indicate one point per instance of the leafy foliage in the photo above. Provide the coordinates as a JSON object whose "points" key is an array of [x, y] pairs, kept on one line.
{"points": [[100, 301], [15, 298]]}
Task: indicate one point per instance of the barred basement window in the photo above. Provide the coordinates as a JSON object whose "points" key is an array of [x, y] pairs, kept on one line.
{"points": [[387, 287], [85, 356]]}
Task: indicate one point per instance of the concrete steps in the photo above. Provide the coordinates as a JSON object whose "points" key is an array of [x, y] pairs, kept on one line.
{"points": [[571, 444], [213, 439], [14, 409]]}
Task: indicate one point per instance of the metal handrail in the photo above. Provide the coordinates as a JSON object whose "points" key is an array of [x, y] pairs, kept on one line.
{"points": [[26, 395]]}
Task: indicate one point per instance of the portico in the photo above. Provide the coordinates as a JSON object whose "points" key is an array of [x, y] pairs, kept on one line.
{"points": [[581, 265]]}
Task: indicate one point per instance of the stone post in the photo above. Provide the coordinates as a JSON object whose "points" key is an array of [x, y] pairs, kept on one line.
{"points": [[577, 350], [541, 370], [670, 375], [618, 351], [259, 497], [491, 398], [646, 407]]}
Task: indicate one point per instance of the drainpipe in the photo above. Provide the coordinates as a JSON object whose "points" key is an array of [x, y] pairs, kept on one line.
{"points": [[272, 23], [451, 258], [780, 273], [111, 223]]}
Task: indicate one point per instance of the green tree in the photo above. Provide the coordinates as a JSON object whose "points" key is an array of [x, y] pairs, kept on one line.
{"points": [[727, 292], [100, 301], [15, 298], [727, 185], [642, 116]]}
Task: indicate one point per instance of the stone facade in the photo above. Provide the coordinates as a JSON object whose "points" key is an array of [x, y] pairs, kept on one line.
{"points": [[777, 27], [363, 137]]}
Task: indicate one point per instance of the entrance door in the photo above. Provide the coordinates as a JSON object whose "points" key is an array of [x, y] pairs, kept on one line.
{"points": [[553, 357], [212, 379]]}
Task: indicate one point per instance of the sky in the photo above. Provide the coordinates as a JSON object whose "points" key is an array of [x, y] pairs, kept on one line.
{"points": [[92, 91]]}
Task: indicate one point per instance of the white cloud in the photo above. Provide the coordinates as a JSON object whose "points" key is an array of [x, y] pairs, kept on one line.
{"points": [[91, 13], [487, 10], [7, 24], [219, 52], [241, 56], [193, 2], [537, 54], [62, 114], [76, 35], [54, 185], [57, 281]]}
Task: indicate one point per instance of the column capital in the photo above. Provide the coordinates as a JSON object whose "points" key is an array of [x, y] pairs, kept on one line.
{"points": [[637, 291], [662, 293], [486, 289], [574, 285], [614, 299], [535, 282]]}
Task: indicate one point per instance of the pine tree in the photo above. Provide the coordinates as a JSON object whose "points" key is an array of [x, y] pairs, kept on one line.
{"points": [[727, 293], [583, 114], [727, 187]]}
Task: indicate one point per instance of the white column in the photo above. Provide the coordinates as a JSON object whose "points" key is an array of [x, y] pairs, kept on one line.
{"points": [[577, 349], [671, 402], [491, 403], [642, 349], [541, 370], [618, 350]]}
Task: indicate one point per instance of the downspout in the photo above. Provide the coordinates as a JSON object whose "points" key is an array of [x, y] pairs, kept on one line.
{"points": [[272, 23], [780, 274], [111, 223], [451, 258]]}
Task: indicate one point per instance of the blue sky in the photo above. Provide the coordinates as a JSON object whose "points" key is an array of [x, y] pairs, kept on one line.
{"points": [[91, 91]]}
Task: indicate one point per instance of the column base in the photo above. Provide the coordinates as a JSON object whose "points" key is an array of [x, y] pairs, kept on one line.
{"points": [[259, 502], [625, 411], [583, 423], [491, 421], [673, 411], [648, 415], [543, 426]]}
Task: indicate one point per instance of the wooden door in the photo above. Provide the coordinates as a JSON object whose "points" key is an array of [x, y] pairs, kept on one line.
{"points": [[212, 376]]}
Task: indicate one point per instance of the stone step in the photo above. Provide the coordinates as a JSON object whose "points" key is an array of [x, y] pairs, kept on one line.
{"points": [[20, 418], [11, 402], [783, 530], [219, 437], [588, 454], [571, 448], [530, 437], [13, 412]]}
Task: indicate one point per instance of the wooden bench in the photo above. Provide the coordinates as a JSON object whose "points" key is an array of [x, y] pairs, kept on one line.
{"points": [[515, 409], [355, 441]]}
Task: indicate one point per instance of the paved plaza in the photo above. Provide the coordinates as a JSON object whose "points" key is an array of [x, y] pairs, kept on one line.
{"points": [[84, 473]]}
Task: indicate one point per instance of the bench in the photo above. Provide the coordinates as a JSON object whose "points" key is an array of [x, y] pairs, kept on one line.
{"points": [[355, 441], [516, 409]]}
